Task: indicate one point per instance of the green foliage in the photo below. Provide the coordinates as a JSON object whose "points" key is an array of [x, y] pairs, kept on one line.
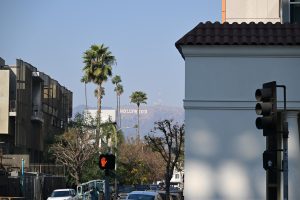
{"points": [[138, 97], [116, 80], [74, 149], [119, 89], [91, 169], [98, 63], [137, 164]]}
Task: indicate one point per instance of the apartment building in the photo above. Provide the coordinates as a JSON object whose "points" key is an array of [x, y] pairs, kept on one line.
{"points": [[261, 11], [33, 108]]}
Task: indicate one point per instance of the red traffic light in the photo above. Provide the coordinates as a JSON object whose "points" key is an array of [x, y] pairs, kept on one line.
{"points": [[107, 161]]}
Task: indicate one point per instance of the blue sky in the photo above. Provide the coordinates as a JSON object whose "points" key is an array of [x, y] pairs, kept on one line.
{"points": [[52, 36]]}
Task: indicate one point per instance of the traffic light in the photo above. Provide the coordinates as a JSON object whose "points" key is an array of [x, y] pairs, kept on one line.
{"points": [[107, 161], [269, 160], [267, 107]]}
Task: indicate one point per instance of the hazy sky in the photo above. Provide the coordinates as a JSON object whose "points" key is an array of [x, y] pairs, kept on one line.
{"points": [[52, 36]]}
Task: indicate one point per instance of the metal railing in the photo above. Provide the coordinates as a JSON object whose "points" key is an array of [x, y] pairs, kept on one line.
{"points": [[37, 113], [56, 170], [12, 106]]}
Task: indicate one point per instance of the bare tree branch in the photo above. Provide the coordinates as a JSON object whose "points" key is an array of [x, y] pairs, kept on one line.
{"points": [[74, 148], [169, 145]]}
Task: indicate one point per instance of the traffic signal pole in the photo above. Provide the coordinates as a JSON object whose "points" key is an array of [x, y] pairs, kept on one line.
{"points": [[106, 163], [285, 164], [106, 185], [275, 128], [285, 135]]}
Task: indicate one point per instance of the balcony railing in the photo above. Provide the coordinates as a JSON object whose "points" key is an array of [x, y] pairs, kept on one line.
{"points": [[58, 170], [12, 106], [37, 114]]}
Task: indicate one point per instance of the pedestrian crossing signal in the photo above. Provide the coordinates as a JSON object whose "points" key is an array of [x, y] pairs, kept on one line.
{"points": [[107, 161]]}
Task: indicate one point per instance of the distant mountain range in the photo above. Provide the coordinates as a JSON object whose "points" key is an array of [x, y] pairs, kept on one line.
{"points": [[148, 115]]}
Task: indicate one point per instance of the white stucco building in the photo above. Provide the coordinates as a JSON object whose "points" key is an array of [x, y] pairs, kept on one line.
{"points": [[224, 65], [106, 114], [260, 11]]}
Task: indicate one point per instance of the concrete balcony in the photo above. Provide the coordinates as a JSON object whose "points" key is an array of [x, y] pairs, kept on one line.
{"points": [[37, 114], [12, 108]]}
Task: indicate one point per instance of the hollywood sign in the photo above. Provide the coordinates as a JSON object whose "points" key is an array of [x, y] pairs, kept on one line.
{"points": [[132, 111]]}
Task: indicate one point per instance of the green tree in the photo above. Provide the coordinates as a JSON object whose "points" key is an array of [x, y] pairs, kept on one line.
{"points": [[84, 80], [167, 139], [116, 80], [73, 148], [98, 62], [119, 91], [138, 164], [138, 97], [91, 171]]}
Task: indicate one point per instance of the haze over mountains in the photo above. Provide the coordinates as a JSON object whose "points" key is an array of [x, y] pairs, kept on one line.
{"points": [[148, 115]]}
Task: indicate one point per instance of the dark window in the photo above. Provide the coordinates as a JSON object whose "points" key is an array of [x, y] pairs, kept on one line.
{"points": [[60, 194], [295, 11], [140, 197]]}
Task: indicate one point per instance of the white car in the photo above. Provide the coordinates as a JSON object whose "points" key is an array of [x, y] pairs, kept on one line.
{"points": [[63, 194], [143, 195]]}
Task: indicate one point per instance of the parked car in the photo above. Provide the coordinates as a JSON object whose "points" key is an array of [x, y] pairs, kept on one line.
{"points": [[124, 191], [154, 187], [143, 195], [173, 195], [122, 196], [63, 194]]}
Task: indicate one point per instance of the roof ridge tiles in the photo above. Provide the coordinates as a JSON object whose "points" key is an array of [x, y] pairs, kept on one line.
{"points": [[216, 33]]}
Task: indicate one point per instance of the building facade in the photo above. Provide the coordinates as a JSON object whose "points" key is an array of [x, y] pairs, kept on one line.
{"points": [[224, 65], [34, 107], [107, 114], [260, 11], [177, 179]]}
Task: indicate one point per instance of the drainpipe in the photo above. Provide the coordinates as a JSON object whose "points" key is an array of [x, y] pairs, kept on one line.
{"points": [[285, 11], [294, 148]]}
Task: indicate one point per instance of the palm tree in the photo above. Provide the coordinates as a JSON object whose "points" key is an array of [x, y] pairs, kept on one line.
{"points": [[98, 62], [84, 80], [116, 80], [138, 97], [119, 90]]}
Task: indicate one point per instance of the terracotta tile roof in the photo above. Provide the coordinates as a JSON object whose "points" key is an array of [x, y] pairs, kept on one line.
{"points": [[241, 34]]}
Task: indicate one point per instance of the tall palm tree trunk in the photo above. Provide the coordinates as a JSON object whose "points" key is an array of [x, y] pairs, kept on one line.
{"points": [[120, 122], [117, 111], [86, 106], [138, 131], [99, 95]]}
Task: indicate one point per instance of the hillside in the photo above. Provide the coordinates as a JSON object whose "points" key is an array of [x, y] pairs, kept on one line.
{"points": [[148, 115]]}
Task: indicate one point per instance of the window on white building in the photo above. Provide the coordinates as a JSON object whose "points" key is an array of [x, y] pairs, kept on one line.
{"points": [[294, 11], [176, 176]]}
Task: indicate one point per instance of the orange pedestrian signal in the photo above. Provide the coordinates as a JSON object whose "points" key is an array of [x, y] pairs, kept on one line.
{"points": [[103, 162], [107, 161]]}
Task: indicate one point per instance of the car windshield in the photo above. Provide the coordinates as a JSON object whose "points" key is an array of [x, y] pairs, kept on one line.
{"points": [[140, 197], [60, 194]]}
